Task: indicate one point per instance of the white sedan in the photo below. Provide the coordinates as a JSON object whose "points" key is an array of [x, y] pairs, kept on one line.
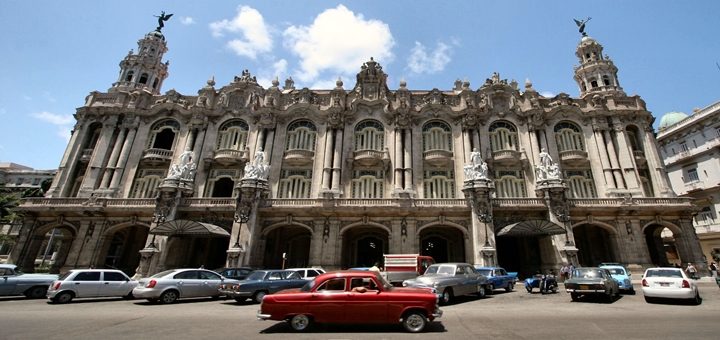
{"points": [[669, 283]]}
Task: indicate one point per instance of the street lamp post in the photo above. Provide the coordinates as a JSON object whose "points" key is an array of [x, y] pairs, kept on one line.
{"points": [[564, 218]]}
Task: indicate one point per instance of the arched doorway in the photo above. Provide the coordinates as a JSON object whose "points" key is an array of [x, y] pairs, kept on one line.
{"points": [[595, 245], [364, 246], [121, 248], [443, 243], [51, 250], [520, 254], [293, 241], [661, 246]]}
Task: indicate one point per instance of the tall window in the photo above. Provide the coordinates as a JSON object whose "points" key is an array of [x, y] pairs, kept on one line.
{"points": [[368, 184], [162, 134], [705, 216], [233, 135], [369, 135], [301, 135], [580, 183], [692, 175], [295, 183], [633, 136], [569, 137], [503, 136], [439, 184], [221, 182], [510, 183], [146, 183], [437, 136], [683, 147]]}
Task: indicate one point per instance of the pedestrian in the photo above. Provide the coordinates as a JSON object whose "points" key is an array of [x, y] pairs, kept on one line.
{"points": [[375, 267], [565, 272], [691, 271], [571, 268], [713, 269]]}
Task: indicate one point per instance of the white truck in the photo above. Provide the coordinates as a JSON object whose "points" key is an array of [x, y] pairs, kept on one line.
{"points": [[400, 267]]}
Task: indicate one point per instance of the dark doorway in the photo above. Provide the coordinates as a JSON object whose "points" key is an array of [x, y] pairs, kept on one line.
{"points": [[223, 187], [594, 245], [436, 247], [293, 241], [519, 254], [164, 139]]}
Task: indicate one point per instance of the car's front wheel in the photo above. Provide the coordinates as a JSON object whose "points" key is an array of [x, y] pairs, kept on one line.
{"points": [[509, 287], [300, 322], [414, 322], [447, 295], [490, 289], [169, 296]]}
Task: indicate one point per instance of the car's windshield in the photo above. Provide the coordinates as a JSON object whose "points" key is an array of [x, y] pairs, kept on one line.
{"points": [[616, 271], [587, 273], [663, 273], [256, 275], [161, 274], [485, 272], [308, 286], [441, 269], [63, 276], [17, 271]]}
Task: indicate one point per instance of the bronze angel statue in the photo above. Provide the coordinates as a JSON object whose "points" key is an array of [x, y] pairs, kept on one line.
{"points": [[581, 25], [161, 20]]}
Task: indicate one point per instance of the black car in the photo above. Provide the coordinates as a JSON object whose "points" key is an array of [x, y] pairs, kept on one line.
{"points": [[239, 273], [262, 282]]}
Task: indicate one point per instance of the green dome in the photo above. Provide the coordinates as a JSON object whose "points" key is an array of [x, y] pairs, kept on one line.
{"points": [[671, 118]]}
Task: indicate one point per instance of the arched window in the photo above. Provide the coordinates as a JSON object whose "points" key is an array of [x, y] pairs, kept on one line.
{"points": [[221, 182], [233, 135], [368, 184], [580, 183], [606, 80], [503, 136], [568, 137], [439, 184], [222, 187], [301, 135], [146, 183], [633, 137], [162, 134], [295, 183], [593, 83], [369, 135], [510, 183], [143, 78], [129, 75], [437, 136], [155, 82]]}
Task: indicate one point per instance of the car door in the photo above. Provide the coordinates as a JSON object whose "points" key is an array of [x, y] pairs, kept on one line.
{"points": [[293, 280], [114, 284], [275, 281], [188, 283], [329, 302], [8, 281], [501, 274], [86, 284], [210, 283], [370, 304]]}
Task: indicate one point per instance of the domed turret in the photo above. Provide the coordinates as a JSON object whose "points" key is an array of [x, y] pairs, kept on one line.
{"points": [[670, 119], [596, 73], [145, 68]]}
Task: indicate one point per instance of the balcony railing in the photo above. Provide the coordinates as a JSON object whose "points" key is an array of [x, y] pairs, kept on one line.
{"points": [[298, 157], [507, 156], [154, 154], [437, 157], [573, 156], [370, 157], [230, 156]]}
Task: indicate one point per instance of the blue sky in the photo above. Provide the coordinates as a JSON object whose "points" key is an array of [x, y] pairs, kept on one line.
{"points": [[55, 52]]}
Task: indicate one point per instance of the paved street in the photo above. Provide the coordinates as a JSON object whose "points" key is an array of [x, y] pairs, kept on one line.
{"points": [[515, 315]]}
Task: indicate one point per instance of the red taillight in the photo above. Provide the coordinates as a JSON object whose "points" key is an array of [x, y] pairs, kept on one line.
{"points": [[644, 283], [56, 285], [151, 284], [686, 284]]}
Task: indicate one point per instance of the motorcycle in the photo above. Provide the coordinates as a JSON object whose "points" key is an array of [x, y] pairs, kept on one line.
{"points": [[546, 283]]}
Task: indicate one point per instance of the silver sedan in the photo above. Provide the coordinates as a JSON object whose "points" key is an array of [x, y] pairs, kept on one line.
{"points": [[450, 280], [170, 285]]}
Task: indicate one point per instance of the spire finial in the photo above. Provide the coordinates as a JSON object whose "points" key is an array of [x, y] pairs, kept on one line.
{"points": [[581, 25]]}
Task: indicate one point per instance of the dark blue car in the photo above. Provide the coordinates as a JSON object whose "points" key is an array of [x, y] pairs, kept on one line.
{"points": [[498, 278]]}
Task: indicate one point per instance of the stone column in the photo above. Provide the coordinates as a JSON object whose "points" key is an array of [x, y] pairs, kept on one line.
{"points": [[478, 192], [407, 163], [604, 161], [626, 160], [327, 159], [610, 146], [658, 174], [688, 246], [73, 151], [399, 159], [112, 163], [122, 161], [98, 157], [467, 147], [337, 160]]}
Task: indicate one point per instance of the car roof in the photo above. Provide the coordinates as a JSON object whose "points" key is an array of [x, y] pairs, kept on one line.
{"points": [[611, 266], [11, 266], [94, 270]]}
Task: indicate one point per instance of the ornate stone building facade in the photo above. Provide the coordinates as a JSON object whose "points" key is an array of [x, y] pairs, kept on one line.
{"points": [[246, 175], [689, 148]]}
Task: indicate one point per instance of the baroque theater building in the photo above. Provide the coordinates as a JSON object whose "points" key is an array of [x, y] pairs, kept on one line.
{"points": [[245, 175]]}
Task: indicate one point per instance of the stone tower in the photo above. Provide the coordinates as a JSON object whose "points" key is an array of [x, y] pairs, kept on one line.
{"points": [[596, 73], [144, 69]]}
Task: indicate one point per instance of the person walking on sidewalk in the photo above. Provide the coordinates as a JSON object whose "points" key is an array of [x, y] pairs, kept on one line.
{"points": [[691, 271]]}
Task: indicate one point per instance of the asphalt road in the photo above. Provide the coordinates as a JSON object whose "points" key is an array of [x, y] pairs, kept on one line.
{"points": [[514, 315]]}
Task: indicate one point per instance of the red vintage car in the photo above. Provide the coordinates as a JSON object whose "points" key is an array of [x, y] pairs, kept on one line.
{"points": [[351, 297]]}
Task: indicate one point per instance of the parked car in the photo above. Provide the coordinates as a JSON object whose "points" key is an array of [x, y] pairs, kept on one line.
{"points": [[670, 283], [261, 283], [621, 275], [497, 278], [308, 273], [351, 297], [83, 283], [173, 284], [14, 282], [450, 280], [592, 281], [235, 273]]}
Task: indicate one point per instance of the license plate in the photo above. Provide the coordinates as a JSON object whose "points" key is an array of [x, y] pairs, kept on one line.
{"points": [[584, 287], [665, 284]]}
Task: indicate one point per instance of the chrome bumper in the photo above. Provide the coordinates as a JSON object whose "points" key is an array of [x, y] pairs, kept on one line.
{"points": [[437, 313], [261, 316]]}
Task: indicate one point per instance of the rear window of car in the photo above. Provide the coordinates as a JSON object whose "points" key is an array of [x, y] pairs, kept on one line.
{"points": [[204, 275], [616, 271], [187, 275], [663, 273], [312, 273], [587, 273], [114, 276], [64, 276], [87, 276], [256, 275], [161, 274], [292, 275]]}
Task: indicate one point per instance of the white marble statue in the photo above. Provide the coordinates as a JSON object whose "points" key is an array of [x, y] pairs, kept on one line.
{"points": [[477, 169], [258, 168], [547, 169], [184, 168]]}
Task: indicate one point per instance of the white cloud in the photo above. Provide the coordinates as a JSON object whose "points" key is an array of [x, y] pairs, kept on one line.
{"points": [[187, 20], [547, 94], [420, 61], [62, 122], [250, 25], [338, 41]]}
